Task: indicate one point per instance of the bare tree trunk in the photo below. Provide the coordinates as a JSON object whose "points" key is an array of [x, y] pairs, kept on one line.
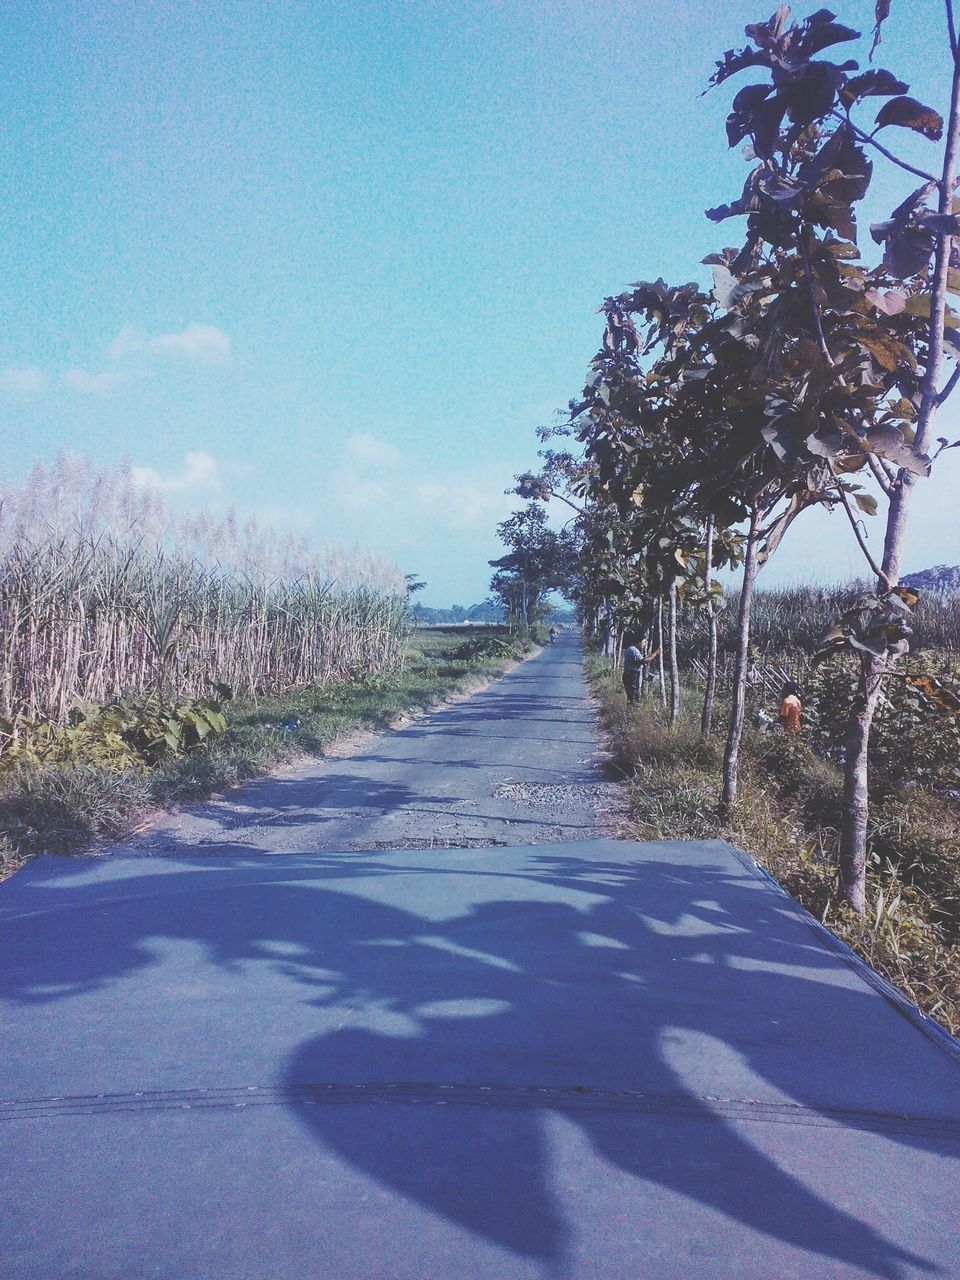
{"points": [[706, 721], [731, 756], [856, 798], [853, 834], [607, 630], [663, 683], [672, 640], [647, 649]]}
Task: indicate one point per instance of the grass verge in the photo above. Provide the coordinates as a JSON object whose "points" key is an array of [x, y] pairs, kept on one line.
{"points": [[67, 807], [787, 818]]}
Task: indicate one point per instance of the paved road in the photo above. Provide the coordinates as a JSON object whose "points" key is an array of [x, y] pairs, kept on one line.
{"points": [[593, 1060], [597, 1059], [515, 764]]}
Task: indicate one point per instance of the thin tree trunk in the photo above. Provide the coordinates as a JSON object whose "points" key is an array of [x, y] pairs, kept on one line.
{"points": [[663, 683], [856, 796], [853, 833], [607, 630], [672, 639], [731, 756], [706, 721], [645, 649]]}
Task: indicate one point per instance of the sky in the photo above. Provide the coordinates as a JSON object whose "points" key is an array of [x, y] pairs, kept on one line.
{"points": [[332, 264]]}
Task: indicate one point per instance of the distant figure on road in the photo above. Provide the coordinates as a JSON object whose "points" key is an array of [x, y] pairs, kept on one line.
{"points": [[790, 708], [553, 634], [635, 658]]}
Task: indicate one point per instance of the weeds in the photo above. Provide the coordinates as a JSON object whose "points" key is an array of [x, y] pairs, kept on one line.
{"points": [[787, 817]]}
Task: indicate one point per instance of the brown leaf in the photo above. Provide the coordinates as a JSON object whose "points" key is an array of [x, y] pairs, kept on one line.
{"points": [[878, 83], [920, 305], [866, 502], [881, 13], [908, 113], [888, 353], [888, 442]]}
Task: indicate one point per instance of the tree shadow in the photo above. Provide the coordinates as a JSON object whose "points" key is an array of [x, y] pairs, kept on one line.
{"points": [[625, 993]]}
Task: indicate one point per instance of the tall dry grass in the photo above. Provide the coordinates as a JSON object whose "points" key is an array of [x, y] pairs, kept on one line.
{"points": [[102, 593], [791, 620]]}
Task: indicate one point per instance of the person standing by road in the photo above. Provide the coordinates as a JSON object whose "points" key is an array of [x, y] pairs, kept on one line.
{"points": [[635, 658]]}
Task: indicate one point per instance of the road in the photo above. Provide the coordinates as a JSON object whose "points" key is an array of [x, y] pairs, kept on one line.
{"points": [[582, 1060], [515, 764]]}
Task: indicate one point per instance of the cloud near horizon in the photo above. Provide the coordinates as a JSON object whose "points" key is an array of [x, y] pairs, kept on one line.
{"points": [[200, 473], [377, 453]]}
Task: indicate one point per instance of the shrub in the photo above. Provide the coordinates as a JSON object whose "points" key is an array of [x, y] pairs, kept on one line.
{"points": [[130, 733]]}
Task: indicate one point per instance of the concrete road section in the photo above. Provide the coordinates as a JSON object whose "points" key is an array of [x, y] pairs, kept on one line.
{"points": [[595, 1059], [517, 763]]}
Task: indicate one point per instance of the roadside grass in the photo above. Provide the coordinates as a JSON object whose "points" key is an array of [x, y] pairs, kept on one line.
{"points": [[787, 818], [67, 807]]}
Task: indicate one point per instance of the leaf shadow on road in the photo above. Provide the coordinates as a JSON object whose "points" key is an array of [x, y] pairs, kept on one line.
{"points": [[581, 977]]}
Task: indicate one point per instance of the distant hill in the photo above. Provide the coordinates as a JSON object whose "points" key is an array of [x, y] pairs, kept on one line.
{"points": [[942, 578]]}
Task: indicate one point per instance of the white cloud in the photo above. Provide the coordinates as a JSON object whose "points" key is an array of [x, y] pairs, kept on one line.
{"points": [[94, 384], [376, 453], [204, 343], [465, 505], [199, 472], [362, 495], [23, 382]]}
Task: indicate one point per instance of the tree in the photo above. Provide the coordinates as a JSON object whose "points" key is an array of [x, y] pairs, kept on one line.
{"points": [[539, 561], [875, 381]]}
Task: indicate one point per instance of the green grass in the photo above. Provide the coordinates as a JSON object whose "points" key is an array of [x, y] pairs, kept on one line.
{"points": [[65, 808], [787, 817]]}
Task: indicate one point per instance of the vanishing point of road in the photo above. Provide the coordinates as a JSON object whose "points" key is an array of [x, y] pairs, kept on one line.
{"points": [[413, 1014], [518, 763]]}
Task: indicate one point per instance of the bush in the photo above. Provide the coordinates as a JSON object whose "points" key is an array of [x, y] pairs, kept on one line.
{"points": [[478, 648], [131, 733]]}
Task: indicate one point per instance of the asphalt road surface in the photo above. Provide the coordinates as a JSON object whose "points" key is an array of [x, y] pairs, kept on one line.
{"points": [[515, 764], [586, 1059]]}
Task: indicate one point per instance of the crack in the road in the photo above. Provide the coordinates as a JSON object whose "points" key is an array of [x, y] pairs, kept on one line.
{"points": [[538, 1097]]}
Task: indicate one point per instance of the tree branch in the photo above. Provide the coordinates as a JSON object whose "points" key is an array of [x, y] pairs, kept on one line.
{"points": [[949, 385], [900, 503], [814, 309], [951, 24], [579, 510], [863, 136], [858, 534], [880, 474]]}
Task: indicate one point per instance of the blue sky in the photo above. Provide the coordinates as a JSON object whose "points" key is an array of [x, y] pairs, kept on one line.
{"points": [[333, 263]]}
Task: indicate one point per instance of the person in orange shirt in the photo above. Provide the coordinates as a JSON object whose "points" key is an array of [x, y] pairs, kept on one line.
{"points": [[790, 708]]}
